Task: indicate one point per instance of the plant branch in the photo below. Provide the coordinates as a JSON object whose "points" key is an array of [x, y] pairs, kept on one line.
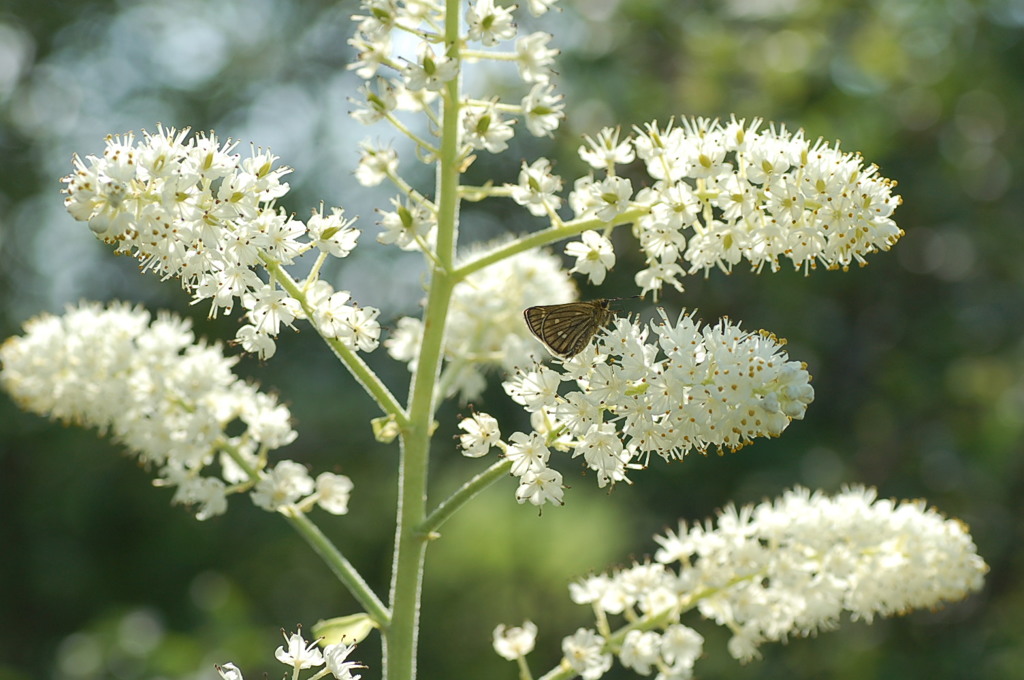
{"points": [[542, 238], [340, 566], [363, 374], [463, 495]]}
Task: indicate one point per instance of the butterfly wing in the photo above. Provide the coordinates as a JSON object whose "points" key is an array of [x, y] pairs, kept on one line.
{"points": [[535, 319], [567, 328]]}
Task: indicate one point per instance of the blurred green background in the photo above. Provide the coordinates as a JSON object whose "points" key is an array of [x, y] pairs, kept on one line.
{"points": [[918, 358]]}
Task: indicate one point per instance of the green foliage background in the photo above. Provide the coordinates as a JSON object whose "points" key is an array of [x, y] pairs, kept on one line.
{"points": [[918, 358]]}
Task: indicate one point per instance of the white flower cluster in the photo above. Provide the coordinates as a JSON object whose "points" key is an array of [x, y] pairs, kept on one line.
{"points": [[167, 399], [194, 210], [687, 388], [405, 76], [485, 320], [672, 651], [300, 655], [288, 485], [777, 569], [721, 194]]}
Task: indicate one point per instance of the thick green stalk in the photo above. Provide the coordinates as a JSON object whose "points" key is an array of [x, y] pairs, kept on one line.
{"points": [[410, 545], [400, 638]]}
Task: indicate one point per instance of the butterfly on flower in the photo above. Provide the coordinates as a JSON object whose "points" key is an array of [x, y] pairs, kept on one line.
{"points": [[567, 328]]}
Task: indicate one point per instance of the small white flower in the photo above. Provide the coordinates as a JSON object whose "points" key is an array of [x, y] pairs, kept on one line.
{"points": [[584, 652], [208, 493], [256, 341], [605, 152], [375, 164], [534, 389], [333, 492], [607, 592], [269, 308], [527, 453], [488, 23], [410, 225], [269, 421], [372, 51], [579, 411], [430, 71], [481, 434], [603, 452], [375, 104], [648, 585], [542, 109], [594, 256], [335, 657], [743, 645], [681, 646], [535, 58], [540, 487], [299, 654], [657, 274], [640, 650], [605, 199], [515, 642], [589, 589], [361, 330], [282, 485], [333, 234], [404, 343], [331, 313], [537, 188], [229, 671], [484, 128], [416, 101]]}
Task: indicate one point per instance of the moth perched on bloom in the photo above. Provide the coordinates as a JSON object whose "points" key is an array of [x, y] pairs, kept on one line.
{"points": [[567, 328]]}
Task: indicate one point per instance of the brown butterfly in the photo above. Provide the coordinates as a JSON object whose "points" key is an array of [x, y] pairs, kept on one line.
{"points": [[567, 328]]}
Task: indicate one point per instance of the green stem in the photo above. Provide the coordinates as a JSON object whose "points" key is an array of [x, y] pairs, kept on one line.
{"points": [[341, 567], [363, 374], [563, 671], [410, 545], [401, 127], [400, 638], [323, 546], [524, 669], [543, 238], [466, 493]]}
